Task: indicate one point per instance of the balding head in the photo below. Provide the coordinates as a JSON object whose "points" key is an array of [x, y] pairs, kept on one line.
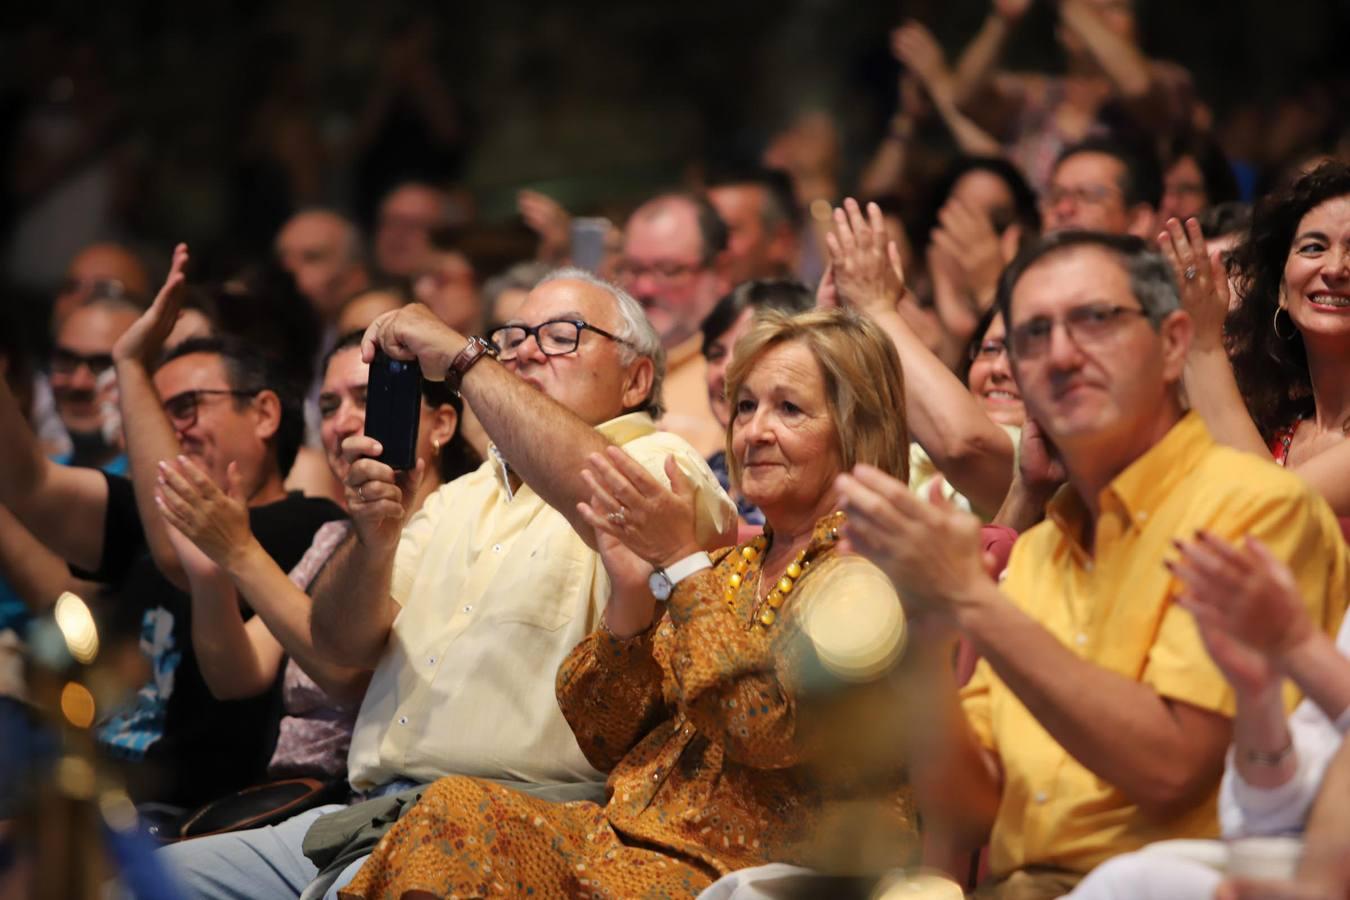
{"points": [[101, 270], [671, 248], [322, 251], [407, 216]]}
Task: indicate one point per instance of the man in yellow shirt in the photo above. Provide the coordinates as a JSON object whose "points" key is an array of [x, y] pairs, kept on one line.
{"points": [[1096, 721], [466, 610]]}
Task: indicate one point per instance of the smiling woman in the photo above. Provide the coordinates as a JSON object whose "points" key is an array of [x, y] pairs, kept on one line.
{"points": [[1287, 389]]}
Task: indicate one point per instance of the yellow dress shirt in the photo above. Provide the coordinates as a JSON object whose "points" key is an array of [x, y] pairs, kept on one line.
{"points": [[1114, 608], [496, 589], [685, 392]]}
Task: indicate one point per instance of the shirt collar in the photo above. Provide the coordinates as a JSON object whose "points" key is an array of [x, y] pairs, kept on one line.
{"points": [[620, 430], [1144, 484]]}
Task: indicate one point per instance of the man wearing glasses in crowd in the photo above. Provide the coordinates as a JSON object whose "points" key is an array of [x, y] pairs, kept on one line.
{"points": [[465, 610], [1104, 185], [673, 249], [1095, 722], [223, 406]]}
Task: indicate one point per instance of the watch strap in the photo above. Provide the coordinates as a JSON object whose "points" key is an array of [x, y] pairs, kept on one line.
{"points": [[465, 359], [694, 562]]}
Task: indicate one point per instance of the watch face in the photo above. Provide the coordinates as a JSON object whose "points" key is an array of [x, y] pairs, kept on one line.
{"points": [[660, 585]]}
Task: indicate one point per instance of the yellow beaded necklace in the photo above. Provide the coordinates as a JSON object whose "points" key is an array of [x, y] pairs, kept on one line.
{"points": [[752, 554]]}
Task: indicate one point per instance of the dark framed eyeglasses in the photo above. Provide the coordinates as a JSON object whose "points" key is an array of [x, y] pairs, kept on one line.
{"points": [[66, 361], [1086, 325], [988, 350], [182, 408], [555, 337]]}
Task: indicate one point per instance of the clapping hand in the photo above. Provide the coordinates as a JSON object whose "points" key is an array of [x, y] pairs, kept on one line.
{"points": [[915, 47], [1246, 604], [967, 238], [864, 262], [1201, 277], [931, 552], [215, 521], [656, 523], [144, 341]]}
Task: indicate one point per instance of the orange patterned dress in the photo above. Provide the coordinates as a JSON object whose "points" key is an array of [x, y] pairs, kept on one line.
{"points": [[725, 747]]}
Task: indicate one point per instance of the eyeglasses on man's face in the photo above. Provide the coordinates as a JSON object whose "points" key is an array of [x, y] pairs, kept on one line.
{"points": [[1083, 195], [182, 408], [555, 337], [66, 361], [1090, 324], [662, 272]]}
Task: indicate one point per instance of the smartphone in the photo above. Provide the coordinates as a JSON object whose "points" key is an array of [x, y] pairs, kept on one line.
{"points": [[588, 242], [393, 408]]}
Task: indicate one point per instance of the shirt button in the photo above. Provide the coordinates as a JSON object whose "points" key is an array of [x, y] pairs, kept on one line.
{"points": [[1080, 639], [1142, 516], [403, 720], [1041, 797], [1087, 566], [468, 607], [496, 548], [431, 660]]}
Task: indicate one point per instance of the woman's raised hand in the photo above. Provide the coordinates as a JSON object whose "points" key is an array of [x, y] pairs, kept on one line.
{"points": [[655, 522], [863, 259], [215, 521], [1202, 280]]}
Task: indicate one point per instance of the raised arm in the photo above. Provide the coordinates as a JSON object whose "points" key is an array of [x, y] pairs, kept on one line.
{"points": [[514, 414], [251, 652], [35, 573], [62, 506], [977, 66], [1211, 386], [150, 436], [972, 452], [915, 46], [353, 607]]}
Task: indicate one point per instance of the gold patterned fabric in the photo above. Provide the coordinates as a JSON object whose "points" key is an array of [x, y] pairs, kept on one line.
{"points": [[727, 745]]}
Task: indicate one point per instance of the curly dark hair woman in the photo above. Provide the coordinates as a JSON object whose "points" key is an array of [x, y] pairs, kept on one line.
{"points": [[1291, 328]]}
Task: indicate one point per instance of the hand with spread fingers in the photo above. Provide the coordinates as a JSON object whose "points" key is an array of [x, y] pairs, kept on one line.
{"points": [[215, 521], [376, 494], [655, 522], [915, 47], [1246, 604], [1201, 277], [931, 552], [865, 262], [144, 341], [547, 218], [968, 238], [414, 332]]}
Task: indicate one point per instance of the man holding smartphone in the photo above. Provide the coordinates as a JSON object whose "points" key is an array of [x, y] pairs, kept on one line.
{"points": [[465, 610]]}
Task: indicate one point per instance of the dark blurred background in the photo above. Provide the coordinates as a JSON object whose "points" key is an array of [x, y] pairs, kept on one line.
{"points": [[211, 121]]}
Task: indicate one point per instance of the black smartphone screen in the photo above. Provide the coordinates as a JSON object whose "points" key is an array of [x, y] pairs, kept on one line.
{"points": [[393, 407]]}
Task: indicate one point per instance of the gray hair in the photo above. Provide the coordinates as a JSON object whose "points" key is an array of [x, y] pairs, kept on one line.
{"points": [[523, 276], [640, 340], [1151, 280]]}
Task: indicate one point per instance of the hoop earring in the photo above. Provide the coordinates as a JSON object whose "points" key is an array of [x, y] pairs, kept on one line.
{"points": [[1275, 324], [435, 446]]}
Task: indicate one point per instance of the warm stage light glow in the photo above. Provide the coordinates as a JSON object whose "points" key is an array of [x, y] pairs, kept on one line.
{"points": [[77, 627]]}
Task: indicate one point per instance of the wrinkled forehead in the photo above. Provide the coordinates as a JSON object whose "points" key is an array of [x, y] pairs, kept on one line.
{"points": [[195, 371], [568, 299], [1067, 278], [345, 371], [94, 329]]}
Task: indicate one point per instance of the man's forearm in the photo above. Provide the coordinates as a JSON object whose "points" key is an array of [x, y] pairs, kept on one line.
{"points": [[545, 444], [1124, 65], [352, 610], [1120, 729], [978, 60], [150, 440], [285, 609]]}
